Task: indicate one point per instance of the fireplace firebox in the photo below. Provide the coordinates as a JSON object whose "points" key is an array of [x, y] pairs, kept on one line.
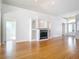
{"points": [[43, 34]]}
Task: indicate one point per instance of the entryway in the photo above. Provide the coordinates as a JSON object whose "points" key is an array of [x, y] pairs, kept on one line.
{"points": [[69, 29]]}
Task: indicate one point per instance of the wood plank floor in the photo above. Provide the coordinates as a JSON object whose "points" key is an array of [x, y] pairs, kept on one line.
{"points": [[56, 48]]}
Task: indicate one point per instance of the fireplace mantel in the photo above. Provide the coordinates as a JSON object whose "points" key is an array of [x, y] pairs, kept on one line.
{"points": [[37, 26]]}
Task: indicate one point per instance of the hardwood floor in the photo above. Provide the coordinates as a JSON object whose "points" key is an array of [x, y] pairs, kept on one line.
{"points": [[56, 48]]}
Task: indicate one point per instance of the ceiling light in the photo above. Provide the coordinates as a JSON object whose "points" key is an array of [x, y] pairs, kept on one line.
{"points": [[36, 0], [53, 2]]}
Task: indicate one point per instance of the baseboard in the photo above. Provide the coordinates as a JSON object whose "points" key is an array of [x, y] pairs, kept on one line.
{"points": [[21, 41], [50, 38], [58, 37], [41, 40], [30, 41]]}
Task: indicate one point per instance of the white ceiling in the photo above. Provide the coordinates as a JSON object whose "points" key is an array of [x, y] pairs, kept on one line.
{"points": [[54, 7]]}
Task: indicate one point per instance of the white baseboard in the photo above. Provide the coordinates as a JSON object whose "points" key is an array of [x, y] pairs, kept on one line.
{"points": [[30, 41], [41, 40], [18, 41], [21, 41]]}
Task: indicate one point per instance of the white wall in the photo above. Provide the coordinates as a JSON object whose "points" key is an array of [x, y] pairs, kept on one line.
{"points": [[56, 30], [0, 20], [23, 17], [0, 26]]}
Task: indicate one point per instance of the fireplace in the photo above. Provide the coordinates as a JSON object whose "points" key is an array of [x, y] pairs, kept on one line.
{"points": [[43, 34]]}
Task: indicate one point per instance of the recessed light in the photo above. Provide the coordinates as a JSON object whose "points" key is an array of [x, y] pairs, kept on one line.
{"points": [[53, 2], [36, 0]]}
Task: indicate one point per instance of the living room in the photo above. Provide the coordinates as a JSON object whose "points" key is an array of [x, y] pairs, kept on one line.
{"points": [[37, 29]]}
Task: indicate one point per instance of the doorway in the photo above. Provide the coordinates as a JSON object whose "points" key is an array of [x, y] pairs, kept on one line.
{"points": [[10, 30], [69, 29]]}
